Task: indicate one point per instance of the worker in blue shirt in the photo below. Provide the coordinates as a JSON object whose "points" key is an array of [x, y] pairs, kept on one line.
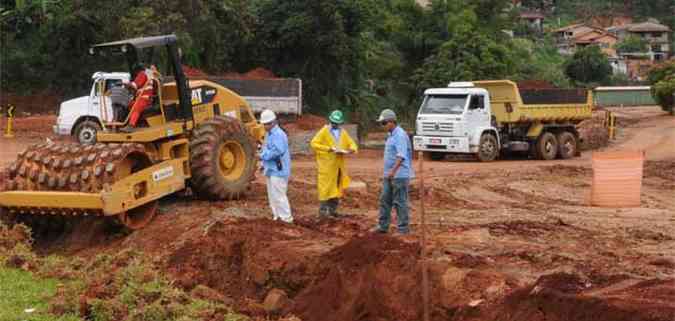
{"points": [[397, 173], [276, 162]]}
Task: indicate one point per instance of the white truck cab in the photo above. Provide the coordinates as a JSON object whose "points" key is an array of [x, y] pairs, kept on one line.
{"points": [[82, 117], [453, 119]]}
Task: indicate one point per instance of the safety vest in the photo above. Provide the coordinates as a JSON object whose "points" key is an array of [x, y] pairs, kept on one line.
{"points": [[146, 90]]}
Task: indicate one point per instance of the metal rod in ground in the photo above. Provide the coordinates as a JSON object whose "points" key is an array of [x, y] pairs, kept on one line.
{"points": [[425, 276]]}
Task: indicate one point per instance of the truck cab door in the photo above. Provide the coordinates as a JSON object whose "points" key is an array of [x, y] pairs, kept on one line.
{"points": [[477, 115], [95, 99], [93, 103], [109, 110], [98, 99]]}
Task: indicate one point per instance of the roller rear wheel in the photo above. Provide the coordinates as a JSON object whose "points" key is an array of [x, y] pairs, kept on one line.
{"points": [[222, 158]]}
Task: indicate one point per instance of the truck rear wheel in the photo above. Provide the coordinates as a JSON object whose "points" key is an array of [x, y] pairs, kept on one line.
{"points": [[547, 146], [488, 149], [222, 158], [567, 145]]}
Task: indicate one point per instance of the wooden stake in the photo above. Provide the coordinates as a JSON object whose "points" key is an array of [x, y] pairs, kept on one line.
{"points": [[425, 276]]}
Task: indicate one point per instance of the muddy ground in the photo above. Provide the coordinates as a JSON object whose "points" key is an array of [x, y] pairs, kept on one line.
{"points": [[508, 240]]}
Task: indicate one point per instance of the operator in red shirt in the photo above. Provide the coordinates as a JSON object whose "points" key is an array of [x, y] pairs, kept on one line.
{"points": [[144, 92]]}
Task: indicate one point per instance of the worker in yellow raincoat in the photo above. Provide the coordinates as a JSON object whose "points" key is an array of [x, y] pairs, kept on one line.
{"points": [[330, 145]]}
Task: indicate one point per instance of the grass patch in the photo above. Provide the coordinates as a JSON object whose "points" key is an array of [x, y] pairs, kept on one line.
{"points": [[19, 291], [125, 286]]}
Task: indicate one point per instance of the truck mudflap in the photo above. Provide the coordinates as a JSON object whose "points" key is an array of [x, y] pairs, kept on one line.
{"points": [[126, 194]]}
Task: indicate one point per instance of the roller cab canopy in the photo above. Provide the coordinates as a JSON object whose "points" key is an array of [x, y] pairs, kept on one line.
{"points": [[166, 58], [136, 43]]}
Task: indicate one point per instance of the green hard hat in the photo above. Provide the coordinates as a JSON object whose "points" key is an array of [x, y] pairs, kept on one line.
{"points": [[336, 117]]}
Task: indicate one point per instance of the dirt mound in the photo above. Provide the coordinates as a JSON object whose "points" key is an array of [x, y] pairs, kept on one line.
{"points": [[561, 282], [193, 72], [256, 73], [593, 132], [575, 300], [535, 84], [369, 278], [306, 122], [663, 169], [240, 257]]}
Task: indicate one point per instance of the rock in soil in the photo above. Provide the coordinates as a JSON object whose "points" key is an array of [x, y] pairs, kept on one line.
{"points": [[275, 301]]}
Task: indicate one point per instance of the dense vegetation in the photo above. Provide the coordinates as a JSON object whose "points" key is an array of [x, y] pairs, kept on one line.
{"points": [[355, 54], [662, 80], [588, 65]]}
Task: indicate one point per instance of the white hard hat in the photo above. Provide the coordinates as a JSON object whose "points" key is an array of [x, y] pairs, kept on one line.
{"points": [[267, 116]]}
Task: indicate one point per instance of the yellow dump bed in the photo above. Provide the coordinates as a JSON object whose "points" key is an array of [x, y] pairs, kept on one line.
{"points": [[542, 105]]}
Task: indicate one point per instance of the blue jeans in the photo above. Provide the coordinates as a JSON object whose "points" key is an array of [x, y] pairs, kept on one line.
{"points": [[394, 194]]}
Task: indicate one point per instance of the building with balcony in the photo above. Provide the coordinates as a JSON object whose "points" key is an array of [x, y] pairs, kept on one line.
{"points": [[656, 35]]}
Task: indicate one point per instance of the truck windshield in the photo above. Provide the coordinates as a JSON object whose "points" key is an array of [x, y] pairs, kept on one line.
{"points": [[443, 104]]}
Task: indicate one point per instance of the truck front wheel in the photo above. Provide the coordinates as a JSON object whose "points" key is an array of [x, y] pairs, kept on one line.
{"points": [[85, 132], [488, 149], [547, 146], [567, 145]]}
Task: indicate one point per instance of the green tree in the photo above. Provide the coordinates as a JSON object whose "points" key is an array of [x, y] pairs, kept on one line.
{"points": [[468, 55], [417, 32], [46, 46], [494, 14], [224, 36], [471, 52], [540, 60], [317, 40], [662, 80], [632, 44], [588, 65]]}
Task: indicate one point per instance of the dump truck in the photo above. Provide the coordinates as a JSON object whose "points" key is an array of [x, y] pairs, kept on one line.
{"points": [[493, 117], [195, 134]]}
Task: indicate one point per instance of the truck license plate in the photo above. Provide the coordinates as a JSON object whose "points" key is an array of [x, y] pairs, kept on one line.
{"points": [[434, 141]]}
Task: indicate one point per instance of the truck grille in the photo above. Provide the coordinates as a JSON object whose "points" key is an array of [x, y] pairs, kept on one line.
{"points": [[441, 127]]}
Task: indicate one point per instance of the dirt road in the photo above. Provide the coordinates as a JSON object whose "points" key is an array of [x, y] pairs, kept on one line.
{"points": [[510, 240]]}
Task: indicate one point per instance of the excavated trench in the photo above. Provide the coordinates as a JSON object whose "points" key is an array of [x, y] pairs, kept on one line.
{"points": [[378, 277]]}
